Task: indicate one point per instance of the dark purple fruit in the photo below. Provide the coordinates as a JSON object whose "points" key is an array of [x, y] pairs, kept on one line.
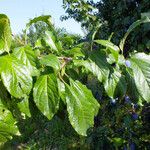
{"points": [[135, 116], [132, 146], [127, 100], [113, 101]]}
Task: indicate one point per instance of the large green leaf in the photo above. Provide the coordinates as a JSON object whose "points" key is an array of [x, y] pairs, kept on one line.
{"points": [[28, 57], [115, 86], [81, 106], [15, 76], [46, 95], [113, 48], [51, 60], [140, 63], [131, 28], [96, 64], [5, 34], [7, 124]]}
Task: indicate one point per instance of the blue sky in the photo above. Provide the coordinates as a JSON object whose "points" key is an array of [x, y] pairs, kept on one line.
{"points": [[20, 11]]}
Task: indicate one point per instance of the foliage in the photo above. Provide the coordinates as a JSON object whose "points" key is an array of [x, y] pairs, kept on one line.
{"points": [[115, 17], [88, 86]]}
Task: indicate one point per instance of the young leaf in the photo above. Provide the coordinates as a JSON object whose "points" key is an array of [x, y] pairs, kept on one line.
{"points": [[15, 76], [28, 57], [140, 63], [46, 95], [5, 34], [115, 86], [51, 60], [81, 106]]}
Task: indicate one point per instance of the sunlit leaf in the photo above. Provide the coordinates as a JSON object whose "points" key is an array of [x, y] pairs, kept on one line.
{"points": [[81, 107], [15, 76], [46, 95], [140, 63], [28, 57]]}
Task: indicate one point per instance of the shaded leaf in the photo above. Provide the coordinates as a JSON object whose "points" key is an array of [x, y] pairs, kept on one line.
{"points": [[96, 64], [8, 126], [24, 106], [115, 86], [113, 48]]}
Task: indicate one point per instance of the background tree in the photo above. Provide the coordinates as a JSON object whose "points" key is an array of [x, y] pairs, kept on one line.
{"points": [[114, 16]]}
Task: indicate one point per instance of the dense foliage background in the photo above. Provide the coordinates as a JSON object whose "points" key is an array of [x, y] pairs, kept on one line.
{"points": [[63, 91]]}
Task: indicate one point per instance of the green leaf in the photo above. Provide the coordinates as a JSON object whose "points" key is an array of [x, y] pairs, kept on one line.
{"points": [[5, 34], [24, 106], [50, 60], [145, 14], [131, 28], [8, 126], [132, 91], [3, 93], [76, 51], [15, 76], [46, 95], [113, 48], [115, 86], [96, 64], [61, 88], [28, 57], [118, 141], [140, 63], [51, 35], [52, 41], [81, 106]]}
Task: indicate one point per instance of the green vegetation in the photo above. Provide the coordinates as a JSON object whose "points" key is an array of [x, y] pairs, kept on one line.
{"points": [[59, 91]]}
